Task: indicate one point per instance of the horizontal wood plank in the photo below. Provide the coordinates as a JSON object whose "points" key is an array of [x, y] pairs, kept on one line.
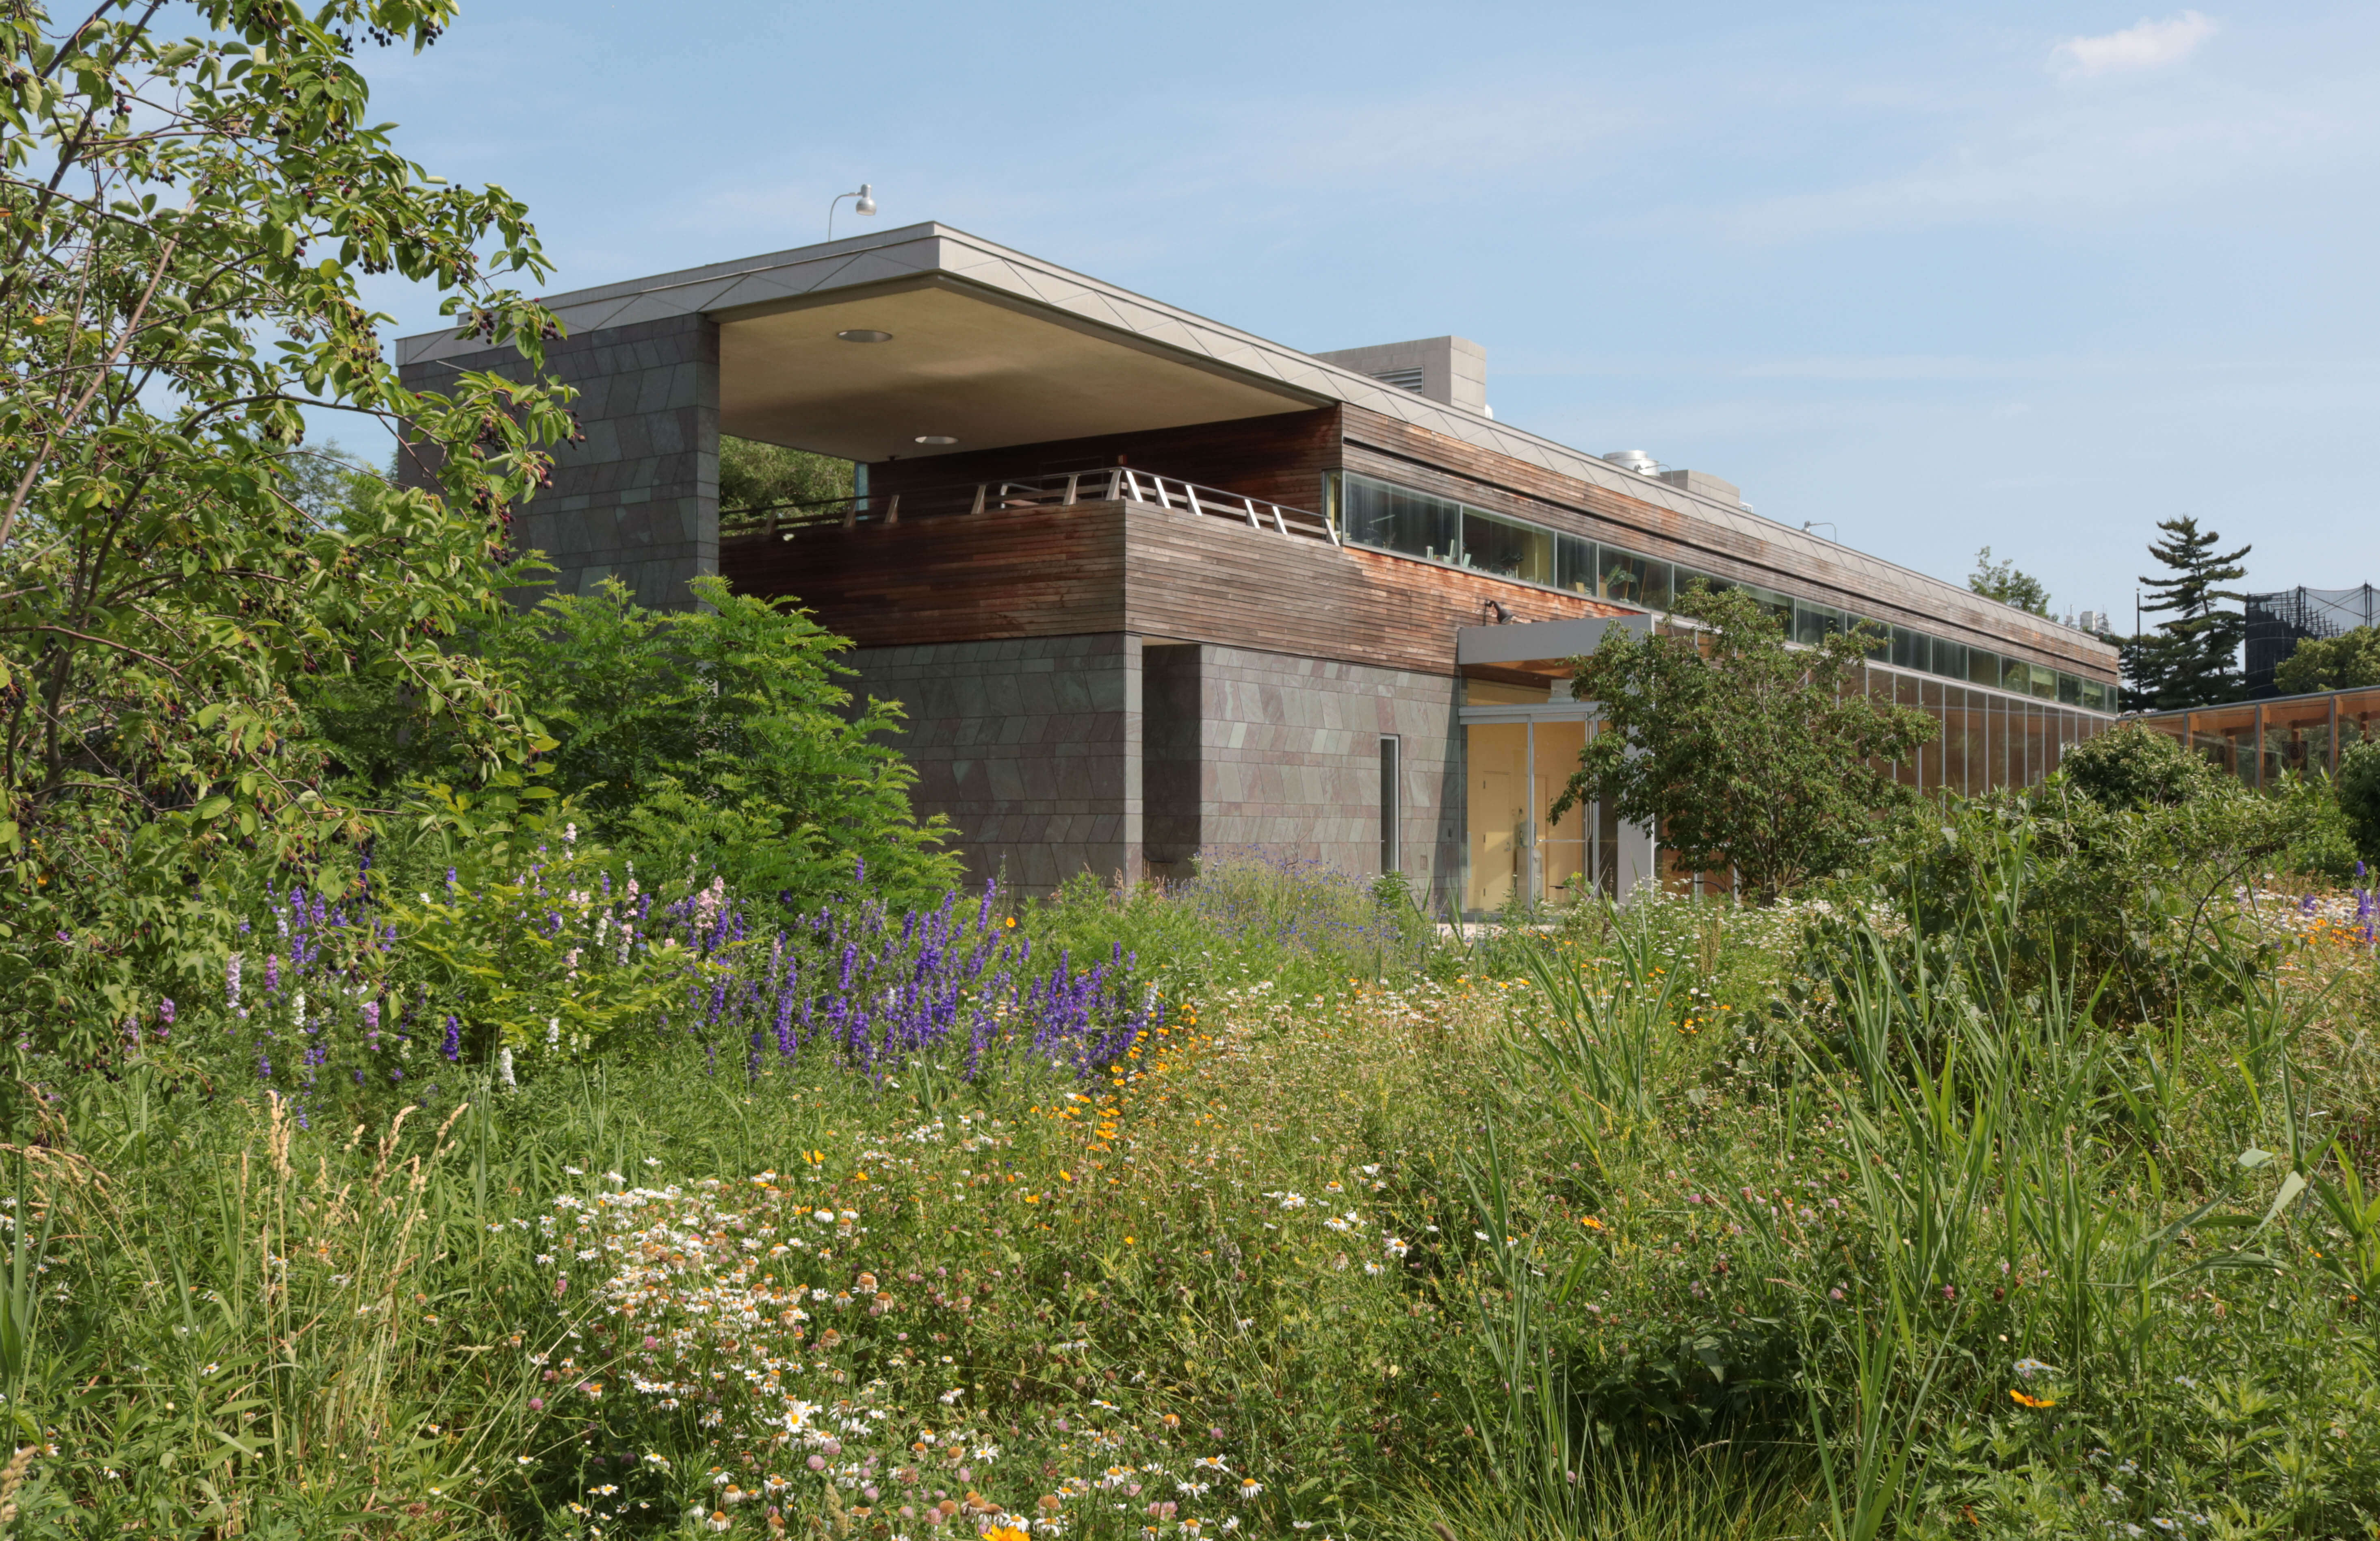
{"points": [[1163, 573]]}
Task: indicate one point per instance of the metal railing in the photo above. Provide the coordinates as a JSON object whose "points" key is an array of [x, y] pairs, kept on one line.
{"points": [[1114, 484]]}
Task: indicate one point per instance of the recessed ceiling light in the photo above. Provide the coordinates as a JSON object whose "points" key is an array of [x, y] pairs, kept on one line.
{"points": [[936, 439], [865, 334]]}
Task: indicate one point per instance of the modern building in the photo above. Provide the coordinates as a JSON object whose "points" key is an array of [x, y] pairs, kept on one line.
{"points": [[1147, 584]]}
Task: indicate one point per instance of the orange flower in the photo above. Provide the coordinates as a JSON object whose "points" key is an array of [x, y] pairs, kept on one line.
{"points": [[2023, 1400], [1590, 1222]]}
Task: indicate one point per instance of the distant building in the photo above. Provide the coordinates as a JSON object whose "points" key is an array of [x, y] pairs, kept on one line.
{"points": [[1147, 584], [2277, 623]]}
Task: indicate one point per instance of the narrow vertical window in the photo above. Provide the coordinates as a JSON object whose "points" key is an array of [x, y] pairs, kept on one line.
{"points": [[1389, 803]]}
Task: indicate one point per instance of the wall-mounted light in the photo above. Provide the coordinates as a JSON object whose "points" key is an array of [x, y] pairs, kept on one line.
{"points": [[867, 205], [864, 334], [936, 439]]}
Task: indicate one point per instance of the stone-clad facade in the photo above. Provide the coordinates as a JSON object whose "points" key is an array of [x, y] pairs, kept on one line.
{"points": [[639, 500], [1282, 754], [1128, 759], [1031, 746]]}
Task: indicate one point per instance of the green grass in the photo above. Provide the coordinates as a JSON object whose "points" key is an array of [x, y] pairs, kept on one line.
{"points": [[1693, 1221]]}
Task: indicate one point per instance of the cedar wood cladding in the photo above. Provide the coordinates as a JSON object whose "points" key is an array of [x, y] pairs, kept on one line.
{"points": [[1049, 574], [1165, 575]]}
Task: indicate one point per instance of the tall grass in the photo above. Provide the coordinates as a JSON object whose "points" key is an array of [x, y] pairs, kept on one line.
{"points": [[1949, 1246], [1680, 1220]]}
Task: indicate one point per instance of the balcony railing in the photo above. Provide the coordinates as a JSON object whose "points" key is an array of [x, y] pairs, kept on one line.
{"points": [[1114, 484]]}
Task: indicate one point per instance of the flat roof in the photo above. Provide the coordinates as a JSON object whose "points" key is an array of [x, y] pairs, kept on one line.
{"points": [[1007, 348]]}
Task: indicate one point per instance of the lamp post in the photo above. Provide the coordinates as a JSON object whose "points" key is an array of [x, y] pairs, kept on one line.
{"points": [[867, 205]]}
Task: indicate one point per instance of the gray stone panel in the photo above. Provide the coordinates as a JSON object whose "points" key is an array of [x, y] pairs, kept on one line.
{"points": [[639, 498], [1031, 746], [1288, 760]]}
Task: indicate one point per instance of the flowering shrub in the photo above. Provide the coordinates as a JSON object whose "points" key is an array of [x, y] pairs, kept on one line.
{"points": [[366, 990]]}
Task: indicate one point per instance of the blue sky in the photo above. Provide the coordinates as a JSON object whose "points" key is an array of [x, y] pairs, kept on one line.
{"points": [[2030, 276]]}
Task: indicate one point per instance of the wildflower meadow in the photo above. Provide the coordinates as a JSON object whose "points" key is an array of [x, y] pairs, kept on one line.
{"points": [[1684, 1218]]}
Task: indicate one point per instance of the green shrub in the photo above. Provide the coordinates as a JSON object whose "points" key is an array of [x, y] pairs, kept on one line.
{"points": [[2136, 766], [719, 741], [2359, 798]]}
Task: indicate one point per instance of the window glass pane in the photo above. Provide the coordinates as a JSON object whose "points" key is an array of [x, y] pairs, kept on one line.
{"points": [[2016, 675], [1574, 563], [1949, 659], [2070, 689], [1641, 580], [1507, 547], [1814, 624], [2045, 682], [1395, 520], [1970, 727], [1909, 649], [1983, 668], [1779, 606], [1879, 636], [1660, 587]]}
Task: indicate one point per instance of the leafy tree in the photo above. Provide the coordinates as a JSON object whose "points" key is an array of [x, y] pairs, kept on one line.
{"points": [[2347, 661], [2000, 580], [754, 475], [1747, 754], [719, 738], [2193, 659], [186, 220]]}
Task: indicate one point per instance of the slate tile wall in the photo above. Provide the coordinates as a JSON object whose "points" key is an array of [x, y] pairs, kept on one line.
{"points": [[639, 499], [1032, 746], [1290, 760]]}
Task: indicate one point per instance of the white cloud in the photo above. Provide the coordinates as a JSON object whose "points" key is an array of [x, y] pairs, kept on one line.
{"points": [[2144, 45]]}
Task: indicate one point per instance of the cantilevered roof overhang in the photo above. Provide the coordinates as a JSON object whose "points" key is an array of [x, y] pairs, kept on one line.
{"points": [[993, 348], [988, 347]]}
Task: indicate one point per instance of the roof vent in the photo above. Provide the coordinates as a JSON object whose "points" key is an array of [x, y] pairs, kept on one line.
{"points": [[1405, 380], [1634, 460]]}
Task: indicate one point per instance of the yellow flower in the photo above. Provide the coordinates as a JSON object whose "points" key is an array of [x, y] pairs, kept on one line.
{"points": [[1005, 1533], [2023, 1400], [1590, 1222]]}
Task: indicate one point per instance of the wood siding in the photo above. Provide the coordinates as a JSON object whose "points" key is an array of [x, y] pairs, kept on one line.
{"points": [[1207, 580], [1033, 573], [1167, 574], [1163, 574]]}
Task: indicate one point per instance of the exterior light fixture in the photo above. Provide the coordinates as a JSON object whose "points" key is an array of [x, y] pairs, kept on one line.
{"points": [[864, 334], [867, 205], [936, 439]]}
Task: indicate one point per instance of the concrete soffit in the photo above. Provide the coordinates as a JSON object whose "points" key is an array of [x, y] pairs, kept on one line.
{"points": [[934, 253]]}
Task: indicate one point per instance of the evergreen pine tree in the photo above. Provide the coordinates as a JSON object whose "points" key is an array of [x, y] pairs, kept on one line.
{"points": [[2193, 659]]}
